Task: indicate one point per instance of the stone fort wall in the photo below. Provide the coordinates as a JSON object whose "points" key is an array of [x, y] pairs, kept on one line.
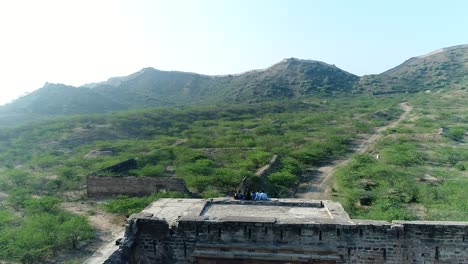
{"points": [[100, 186], [196, 239]]}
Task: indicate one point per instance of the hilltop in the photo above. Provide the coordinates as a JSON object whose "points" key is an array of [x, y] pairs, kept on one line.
{"points": [[447, 67], [287, 79]]}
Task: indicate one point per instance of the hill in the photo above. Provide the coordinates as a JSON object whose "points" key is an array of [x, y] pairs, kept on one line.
{"points": [[59, 98], [286, 79], [53, 100], [154, 88], [447, 67]]}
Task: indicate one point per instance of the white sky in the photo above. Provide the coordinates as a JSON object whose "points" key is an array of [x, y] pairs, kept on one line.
{"points": [[77, 42]]}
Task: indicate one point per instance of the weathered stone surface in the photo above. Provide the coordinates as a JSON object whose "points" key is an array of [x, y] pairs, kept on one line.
{"points": [[265, 170], [208, 231]]}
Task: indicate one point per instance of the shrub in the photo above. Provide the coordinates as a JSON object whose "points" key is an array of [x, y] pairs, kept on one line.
{"points": [[150, 170], [402, 155], [200, 167], [283, 178], [455, 133], [42, 233], [46, 204], [389, 210], [460, 166]]}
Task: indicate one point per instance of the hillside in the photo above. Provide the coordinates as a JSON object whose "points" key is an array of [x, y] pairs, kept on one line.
{"points": [[443, 68], [415, 170], [286, 79], [210, 148], [56, 99], [149, 87]]}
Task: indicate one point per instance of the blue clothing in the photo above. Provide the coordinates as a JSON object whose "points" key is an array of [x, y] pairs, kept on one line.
{"points": [[261, 196], [264, 197], [257, 196], [254, 196]]}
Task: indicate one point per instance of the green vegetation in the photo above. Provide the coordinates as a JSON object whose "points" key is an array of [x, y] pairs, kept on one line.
{"points": [[290, 78], [421, 171], [211, 148], [442, 70], [44, 231], [206, 146]]}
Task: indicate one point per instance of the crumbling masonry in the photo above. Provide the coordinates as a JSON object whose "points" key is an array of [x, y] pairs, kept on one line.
{"points": [[281, 231]]}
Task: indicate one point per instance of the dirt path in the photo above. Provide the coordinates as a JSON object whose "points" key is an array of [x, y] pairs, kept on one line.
{"points": [[315, 180], [3, 196], [109, 227]]}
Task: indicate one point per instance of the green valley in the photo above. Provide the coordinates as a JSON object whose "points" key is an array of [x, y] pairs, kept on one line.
{"points": [[214, 131]]}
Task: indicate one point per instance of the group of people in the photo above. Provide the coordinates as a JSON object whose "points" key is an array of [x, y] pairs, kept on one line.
{"points": [[254, 196]]}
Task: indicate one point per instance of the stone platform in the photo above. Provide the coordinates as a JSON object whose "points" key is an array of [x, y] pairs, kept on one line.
{"points": [[223, 209], [281, 231]]}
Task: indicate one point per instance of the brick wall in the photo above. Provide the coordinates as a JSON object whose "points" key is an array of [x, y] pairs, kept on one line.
{"points": [[254, 240]]}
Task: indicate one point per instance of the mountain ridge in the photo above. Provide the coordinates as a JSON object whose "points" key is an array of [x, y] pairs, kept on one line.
{"points": [[288, 78], [446, 67]]}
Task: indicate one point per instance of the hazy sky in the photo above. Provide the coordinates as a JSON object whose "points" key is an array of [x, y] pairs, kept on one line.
{"points": [[76, 42]]}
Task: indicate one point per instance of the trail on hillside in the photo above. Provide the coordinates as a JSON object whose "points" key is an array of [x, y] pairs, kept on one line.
{"points": [[109, 228], [315, 180], [3, 195]]}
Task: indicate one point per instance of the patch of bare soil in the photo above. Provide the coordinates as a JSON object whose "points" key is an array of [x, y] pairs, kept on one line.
{"points": [[109, 228], [3, 196], [419, 210], [315, 181]]}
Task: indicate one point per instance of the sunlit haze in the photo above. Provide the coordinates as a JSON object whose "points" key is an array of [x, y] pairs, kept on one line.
{"points": [[77, 42]]}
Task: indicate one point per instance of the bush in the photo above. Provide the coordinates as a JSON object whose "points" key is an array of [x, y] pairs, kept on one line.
{"points": [[46, 204], [283, 178], [402, 155], [389, 210], [150, 170], [15, 178], [455, 133], [460, 166], [44, 231], [17, 197], [199, 167], [292, 165], [67, 173]]}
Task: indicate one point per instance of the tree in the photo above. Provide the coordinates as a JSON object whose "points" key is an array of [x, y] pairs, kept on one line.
{"points": [[76, 229], [283, 178], [46, 204]]}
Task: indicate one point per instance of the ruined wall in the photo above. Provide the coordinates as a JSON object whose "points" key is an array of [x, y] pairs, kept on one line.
{"points": [[120, 168], [97, 186], [245, 240], [272, 165]]}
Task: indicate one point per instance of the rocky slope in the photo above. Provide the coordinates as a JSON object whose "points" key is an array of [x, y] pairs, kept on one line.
{"points": [[447, 67]]}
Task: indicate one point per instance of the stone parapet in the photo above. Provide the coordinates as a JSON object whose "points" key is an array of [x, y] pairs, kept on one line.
{"points": [[212, 234]]}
